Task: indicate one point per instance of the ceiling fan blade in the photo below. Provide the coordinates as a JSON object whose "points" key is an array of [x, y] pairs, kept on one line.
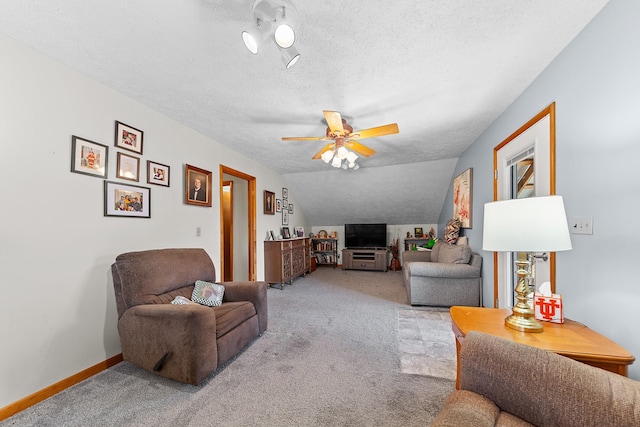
{"points": [[305, 138], [334, 121], [361, 149], [377, 131], [325, 148]]}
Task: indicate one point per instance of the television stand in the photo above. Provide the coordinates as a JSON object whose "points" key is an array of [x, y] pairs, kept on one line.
{"points": [[373, 259]]}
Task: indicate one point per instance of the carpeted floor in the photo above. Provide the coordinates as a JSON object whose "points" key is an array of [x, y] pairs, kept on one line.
{"points": [[332, 356]]}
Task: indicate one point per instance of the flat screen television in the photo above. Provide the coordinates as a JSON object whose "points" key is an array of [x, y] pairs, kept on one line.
{"points": [[357, 236]]}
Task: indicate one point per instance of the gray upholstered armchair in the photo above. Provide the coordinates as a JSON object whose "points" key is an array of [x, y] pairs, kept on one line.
{"points": [[445, 276], [182, 342]]}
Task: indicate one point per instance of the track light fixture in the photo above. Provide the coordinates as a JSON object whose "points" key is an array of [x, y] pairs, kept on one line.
{"points": [[275, 20]]}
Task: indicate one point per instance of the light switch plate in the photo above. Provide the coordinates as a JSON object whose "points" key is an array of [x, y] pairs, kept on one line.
{"points": [[582, 225]]}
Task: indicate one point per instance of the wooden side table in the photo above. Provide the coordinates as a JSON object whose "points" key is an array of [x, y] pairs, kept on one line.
{"points": [[570, 339]]}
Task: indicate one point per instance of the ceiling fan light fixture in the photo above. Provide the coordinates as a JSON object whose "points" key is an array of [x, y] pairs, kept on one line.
{"points": [[327, 156], [342, 153], [284, 36], [336, 163], [352, 157]]}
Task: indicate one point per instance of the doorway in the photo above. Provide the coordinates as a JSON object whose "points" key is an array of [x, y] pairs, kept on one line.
{"points": [[238, 225], [524, 166]]}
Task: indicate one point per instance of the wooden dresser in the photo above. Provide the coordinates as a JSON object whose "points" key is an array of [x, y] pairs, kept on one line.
{"points": [[284, 260]]}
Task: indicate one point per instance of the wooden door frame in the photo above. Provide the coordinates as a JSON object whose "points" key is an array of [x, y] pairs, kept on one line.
{"points": [[251, 216], [551, 112]]}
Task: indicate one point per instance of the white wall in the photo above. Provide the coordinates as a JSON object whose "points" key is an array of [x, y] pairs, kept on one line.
{"points": [[595, 85], [58, 313]]}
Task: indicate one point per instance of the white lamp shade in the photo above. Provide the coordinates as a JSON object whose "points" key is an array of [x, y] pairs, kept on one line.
{"points": [[251, 39], [534, 224], [290, 56], [336, 162]]}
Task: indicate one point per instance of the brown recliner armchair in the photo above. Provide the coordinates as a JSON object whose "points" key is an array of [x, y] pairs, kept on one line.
{"points": [[183, 342]]}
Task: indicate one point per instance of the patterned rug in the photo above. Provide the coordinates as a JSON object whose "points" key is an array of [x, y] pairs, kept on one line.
{"points": [[426, 342]]}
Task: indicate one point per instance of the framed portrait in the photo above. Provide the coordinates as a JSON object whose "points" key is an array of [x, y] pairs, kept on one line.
{"points": [[285, 193], [299, 231], [418, 232], [128, 167], [126, 200], [269, 202], [157, 173], [286, 233], [278, 205], [462, 197], [128, 138], [197, 186], [291, 208], [88, 157], [285, 217]]}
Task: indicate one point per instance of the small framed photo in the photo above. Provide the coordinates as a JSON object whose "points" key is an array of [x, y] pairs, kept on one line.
{"points": [[418, 232], [299, 231], [285, 217], [291, 208], [128, 138], [273, 236], [126, 200], [286, 233], [157, 173], [269, 202], [197, 186], [278, 205], [88, 157], [128, 167], [285, 193]]}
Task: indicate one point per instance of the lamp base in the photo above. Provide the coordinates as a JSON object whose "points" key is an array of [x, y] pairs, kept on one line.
{"points": [[523, 317], [523, 323]]}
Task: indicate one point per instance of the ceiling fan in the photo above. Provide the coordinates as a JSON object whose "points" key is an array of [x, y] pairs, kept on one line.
{"points": [[344, 139]]}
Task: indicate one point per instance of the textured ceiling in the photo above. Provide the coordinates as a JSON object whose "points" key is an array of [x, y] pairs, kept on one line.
{"points": [[443, 70]]}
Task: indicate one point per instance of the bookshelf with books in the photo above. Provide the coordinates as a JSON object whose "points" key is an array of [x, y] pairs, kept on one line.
{"points": [[325, 251]]}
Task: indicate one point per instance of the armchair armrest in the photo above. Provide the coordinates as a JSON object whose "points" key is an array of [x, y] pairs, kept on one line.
{"points": [[255, 292], [439, 269], [149, 331]]}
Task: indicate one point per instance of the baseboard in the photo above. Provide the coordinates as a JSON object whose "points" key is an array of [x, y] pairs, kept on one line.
{"points": [[47, 392]]}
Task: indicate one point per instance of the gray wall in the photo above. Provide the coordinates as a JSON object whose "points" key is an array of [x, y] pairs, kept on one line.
{"points": [[595, 83]]}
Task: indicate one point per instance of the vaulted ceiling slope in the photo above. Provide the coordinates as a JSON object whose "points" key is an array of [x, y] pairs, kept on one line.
{"points": [[443, 70]]}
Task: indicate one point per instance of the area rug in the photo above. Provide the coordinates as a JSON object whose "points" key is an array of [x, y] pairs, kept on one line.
{"points": [[426, 342]]}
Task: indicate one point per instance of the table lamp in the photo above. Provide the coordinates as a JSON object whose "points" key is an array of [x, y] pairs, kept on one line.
{"points": [[532, 225]]}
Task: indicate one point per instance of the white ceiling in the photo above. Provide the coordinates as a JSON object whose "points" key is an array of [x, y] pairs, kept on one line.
{"points": [[443, 70]]}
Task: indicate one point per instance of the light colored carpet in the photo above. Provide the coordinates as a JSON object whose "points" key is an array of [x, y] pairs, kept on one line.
{"points": [[330, 357]]}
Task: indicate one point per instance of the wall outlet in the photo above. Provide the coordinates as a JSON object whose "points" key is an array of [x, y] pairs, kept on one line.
{"points": [[582, 225], [198, 232]]}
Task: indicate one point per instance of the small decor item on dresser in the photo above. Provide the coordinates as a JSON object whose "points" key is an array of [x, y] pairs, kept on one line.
{"points": [[286, 233], [322, 234], [299, 231], [334, 234]]}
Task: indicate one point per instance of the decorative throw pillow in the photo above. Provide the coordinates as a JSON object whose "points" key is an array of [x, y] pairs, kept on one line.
{"points": [[180, 300], [452, 230], [207, 293], [454, 254]]}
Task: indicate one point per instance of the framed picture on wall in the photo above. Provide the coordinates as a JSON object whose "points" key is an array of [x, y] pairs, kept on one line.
{"points": [[269, 202], [285, 217], [291, 208], [197, 186], [128, 167], [278, 205], [285, 193], [88, 157], [128, 138], [158, 174], [126, 200], [462, 197]]}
